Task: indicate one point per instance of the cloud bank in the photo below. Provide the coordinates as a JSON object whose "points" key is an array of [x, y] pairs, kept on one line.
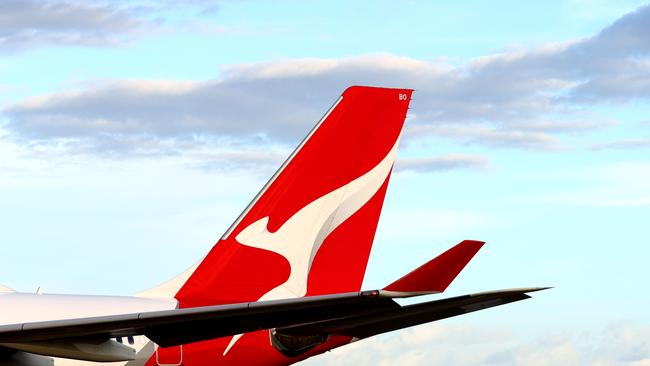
{"points": [[526, 99], [26, 24]]}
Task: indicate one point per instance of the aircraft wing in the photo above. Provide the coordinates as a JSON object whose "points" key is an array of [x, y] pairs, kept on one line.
{"points": [[179, 326], [361, 314]]}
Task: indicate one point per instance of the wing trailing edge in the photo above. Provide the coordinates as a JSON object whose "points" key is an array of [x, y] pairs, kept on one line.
{"points": [[368, 325]]}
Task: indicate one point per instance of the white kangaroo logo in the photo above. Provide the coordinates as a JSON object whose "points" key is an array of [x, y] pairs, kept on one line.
{"points": [[301, 236]]}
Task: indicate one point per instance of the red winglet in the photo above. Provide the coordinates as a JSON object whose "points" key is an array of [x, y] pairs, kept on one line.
{"points": [[435, 275]]}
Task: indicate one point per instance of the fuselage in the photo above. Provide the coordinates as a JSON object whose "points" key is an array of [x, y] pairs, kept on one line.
{"points": [[30, 307], [252, 348]]}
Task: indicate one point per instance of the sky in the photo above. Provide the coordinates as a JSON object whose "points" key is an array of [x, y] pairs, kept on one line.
{"points": [[132, 133]]}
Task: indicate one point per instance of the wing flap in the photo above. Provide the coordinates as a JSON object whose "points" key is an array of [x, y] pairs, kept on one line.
{"points": [[367, 325]]}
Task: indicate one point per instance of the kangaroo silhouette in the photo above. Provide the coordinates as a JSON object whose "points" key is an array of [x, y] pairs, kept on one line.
{"points": [[301, 236]]}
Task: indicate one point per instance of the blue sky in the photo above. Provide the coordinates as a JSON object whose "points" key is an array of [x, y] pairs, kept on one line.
{"points": [[133, 133]]}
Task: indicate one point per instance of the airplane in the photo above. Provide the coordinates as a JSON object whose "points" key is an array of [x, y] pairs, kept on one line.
{"points": [[281, 285]]}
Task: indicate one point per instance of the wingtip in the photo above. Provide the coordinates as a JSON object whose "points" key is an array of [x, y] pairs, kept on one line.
{"points": [[535, 289], [520, 291]]}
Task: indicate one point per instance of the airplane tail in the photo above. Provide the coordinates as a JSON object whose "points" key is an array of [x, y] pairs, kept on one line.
{"points": [[310, 229]]}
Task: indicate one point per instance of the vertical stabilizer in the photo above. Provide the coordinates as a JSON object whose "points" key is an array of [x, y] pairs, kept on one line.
{"points": [[310, 229]]}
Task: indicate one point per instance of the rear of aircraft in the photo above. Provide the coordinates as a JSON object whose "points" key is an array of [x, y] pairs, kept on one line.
{"points": [[308, 232]]}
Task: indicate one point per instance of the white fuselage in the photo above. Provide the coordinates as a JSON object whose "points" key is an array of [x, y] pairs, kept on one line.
{"points": [[27, 307]]}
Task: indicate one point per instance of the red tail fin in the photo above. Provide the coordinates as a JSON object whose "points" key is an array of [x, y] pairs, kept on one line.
{"points": [[310, 230]]}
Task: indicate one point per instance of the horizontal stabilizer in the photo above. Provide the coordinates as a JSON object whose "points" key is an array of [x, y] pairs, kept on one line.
{"points": [[435, 275]]}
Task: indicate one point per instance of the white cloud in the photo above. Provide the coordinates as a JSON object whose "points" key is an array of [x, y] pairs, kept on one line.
{"points": [[623, 144], [610, 185], [442, 163], [314, 66], [509, 100], [490, 136], [30, 23]]}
